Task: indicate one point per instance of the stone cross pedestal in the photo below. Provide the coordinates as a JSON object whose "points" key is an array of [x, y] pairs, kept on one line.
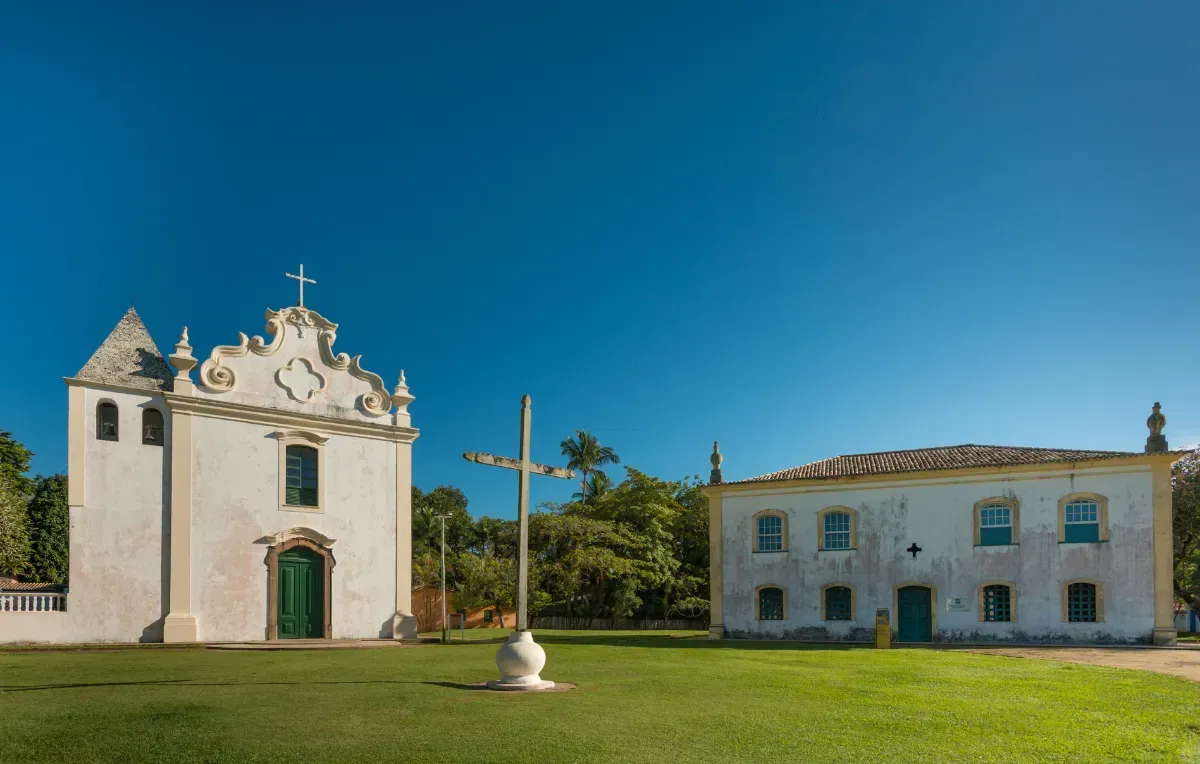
{"points": [[520, 659]]}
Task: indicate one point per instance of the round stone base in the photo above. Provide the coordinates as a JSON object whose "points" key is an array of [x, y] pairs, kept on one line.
{"points": [[520, 686]]}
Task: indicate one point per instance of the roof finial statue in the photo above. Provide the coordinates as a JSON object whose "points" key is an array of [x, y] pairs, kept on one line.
{"points": [[182, 360], [401, 397], [715, 476], [1157, 442]]}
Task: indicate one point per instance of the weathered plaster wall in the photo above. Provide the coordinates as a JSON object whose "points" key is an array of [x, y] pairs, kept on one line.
{"points": [[937, 515], [118, 570], [236, 502], [52, 627]]}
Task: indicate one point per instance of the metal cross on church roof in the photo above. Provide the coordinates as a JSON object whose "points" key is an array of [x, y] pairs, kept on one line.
{"points": [[302, 280]]}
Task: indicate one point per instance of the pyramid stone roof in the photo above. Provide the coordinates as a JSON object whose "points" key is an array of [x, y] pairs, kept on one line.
{"points": [[128, 358]]}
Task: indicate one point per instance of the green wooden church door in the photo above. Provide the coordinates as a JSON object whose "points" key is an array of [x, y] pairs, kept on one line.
{"points": [[916, 614], [301, 600]]}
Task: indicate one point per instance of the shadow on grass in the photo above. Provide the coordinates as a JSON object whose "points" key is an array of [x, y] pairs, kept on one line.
{"points": [[458, 686], [690, 642], [685, 641], [5, 688]]}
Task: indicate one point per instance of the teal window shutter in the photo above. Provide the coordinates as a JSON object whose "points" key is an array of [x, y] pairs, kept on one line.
{"points": [[1081, 603], [837, 603], [997, 603], [1081, 521], [995, 525], [770, 604]]}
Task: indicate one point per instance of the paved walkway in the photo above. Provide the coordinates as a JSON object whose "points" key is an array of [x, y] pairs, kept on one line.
{"points": [[1184, 663]]}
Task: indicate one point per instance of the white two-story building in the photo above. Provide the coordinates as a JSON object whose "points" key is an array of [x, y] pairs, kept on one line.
{"points": [[959, 543]]}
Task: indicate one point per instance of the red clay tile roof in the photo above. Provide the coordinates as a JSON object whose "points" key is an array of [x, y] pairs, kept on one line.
{"points": [[941, 458], [10, 585]]}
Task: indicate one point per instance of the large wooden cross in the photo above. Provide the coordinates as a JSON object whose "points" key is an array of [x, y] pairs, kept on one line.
{"points": [[524, 467]]}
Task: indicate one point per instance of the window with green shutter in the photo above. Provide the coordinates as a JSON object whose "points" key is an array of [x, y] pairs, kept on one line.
{"points": [[1081, 521], [1081, 603], [837, 603], [997, 602], [301, 476], [770, 604], [995, 525]]}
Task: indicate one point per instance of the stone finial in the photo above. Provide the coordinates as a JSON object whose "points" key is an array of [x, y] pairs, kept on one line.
{"points": [[715, 460], [402, 397], [1157, 442], [182, 358]]}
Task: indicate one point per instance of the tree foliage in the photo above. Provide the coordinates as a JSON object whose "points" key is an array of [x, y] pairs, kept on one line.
{"points": [[14, 463], [486, 580], [584, 453], [14, 530], [1185, 506], [49, 531], [427, 527], [638, 549]]}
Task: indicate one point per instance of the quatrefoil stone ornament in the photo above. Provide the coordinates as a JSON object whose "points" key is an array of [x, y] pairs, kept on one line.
{"points": [[299, 379]]}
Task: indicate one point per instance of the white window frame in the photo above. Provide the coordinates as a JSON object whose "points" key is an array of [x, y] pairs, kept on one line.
{"points": [[1095, 506], [839, 533], [993, 508], [774, 538]]}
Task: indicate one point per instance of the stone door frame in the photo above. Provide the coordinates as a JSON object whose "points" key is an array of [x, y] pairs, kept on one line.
{"points": [[272, 563]]}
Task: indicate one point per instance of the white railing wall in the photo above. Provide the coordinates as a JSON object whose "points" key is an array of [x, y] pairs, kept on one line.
{"points": [[32, 602]]}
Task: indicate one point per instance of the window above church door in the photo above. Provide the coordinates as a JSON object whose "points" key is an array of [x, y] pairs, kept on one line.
{"points": [[301, 476], [301, 470]]}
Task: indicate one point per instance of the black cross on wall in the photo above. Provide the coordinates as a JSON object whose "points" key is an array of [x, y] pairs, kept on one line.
{"points": [[913, 549]]}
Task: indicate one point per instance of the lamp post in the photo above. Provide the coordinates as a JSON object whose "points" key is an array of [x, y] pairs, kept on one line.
{"points": [[445, 626]]}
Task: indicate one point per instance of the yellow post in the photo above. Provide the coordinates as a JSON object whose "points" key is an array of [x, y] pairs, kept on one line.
{"points": [[883, 629]]}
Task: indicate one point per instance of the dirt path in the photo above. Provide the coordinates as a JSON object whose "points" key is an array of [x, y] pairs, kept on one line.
{"points": [[1184, 663]]}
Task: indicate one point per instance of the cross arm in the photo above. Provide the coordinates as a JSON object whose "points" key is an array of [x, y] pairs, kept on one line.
{"points": [[515, 464]]}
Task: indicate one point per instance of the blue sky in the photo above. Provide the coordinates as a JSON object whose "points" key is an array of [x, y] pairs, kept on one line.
{"points": [[803, 229]]}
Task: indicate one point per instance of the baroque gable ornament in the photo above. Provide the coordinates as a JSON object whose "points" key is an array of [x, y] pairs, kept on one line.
{"points": [[299, 379], [219, 378]]}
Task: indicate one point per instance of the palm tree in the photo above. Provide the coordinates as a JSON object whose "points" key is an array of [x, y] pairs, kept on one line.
{"points": [[584, 453], [596, 485]]}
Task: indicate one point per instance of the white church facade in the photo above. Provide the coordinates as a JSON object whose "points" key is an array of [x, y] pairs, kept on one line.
{"points": [[957, 544], [269, 499]]}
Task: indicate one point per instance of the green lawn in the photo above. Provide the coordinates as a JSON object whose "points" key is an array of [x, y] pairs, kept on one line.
{"points": [[641, 697]]}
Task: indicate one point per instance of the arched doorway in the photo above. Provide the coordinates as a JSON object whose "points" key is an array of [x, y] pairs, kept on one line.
{"points": [[914, 614], [301, 599], [299, 577]]}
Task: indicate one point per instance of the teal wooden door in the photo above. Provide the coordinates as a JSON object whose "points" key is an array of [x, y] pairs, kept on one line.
{"points": [[301, 595], [916, 614]]}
